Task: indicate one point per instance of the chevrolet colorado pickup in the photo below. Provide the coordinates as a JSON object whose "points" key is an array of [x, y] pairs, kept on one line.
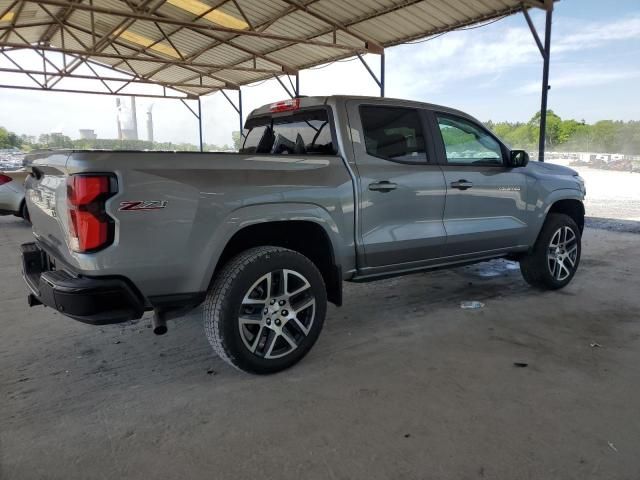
{"points": [[323, 190]]}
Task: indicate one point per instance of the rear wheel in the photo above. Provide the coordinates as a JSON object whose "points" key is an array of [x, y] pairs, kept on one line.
{"points": [[24, 212], [554, 259], [265, 309]]}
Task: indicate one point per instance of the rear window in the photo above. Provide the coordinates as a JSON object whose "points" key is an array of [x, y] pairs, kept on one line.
{"points": [[393, 133], [303, 133]]}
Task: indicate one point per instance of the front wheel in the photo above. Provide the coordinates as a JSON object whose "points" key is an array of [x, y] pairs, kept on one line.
{"points": [[554, 259], [265, 309]]}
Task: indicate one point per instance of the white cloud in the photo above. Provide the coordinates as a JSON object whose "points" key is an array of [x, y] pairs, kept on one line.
{"points": [[496, 51], [579, 79], [593, 35]]}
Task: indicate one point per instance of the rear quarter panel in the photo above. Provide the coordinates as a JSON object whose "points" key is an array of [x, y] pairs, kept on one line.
{"points": [[209, 198]]}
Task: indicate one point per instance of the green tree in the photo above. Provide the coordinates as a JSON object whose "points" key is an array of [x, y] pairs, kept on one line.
{"points": [[9, 139], [237, 139]]}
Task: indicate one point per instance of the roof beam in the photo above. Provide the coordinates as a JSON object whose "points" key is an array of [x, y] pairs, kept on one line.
{"points": [[104, 41], [536, 4], [194, 55], [8, 9], [290, 9], [102, 77], [191, 57], [14, 20], [172, 62], [61, 17], [244, 16], [199, 26], [150, 57], [370, 45], [67, 90]]}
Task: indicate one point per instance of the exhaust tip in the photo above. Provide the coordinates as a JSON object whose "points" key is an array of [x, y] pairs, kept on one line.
{"points": [[159, 323], [160, 329]]}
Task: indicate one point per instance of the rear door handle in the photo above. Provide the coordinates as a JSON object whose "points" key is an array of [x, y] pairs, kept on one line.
{"points": [[383, 186], [461, 184]]}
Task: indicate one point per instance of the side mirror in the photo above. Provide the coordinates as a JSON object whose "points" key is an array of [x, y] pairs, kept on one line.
{"points": [[518, 158]]}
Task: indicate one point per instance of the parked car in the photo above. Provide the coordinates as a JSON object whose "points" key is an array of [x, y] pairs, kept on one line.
{"points": [[12, 194], [324, 190]]}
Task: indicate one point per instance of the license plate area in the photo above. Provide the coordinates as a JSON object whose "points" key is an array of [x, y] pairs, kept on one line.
{"points": [[34, 262]]}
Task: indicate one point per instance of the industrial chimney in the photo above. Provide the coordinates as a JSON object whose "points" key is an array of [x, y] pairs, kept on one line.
{"points": [[127, 121], [150, 123]]}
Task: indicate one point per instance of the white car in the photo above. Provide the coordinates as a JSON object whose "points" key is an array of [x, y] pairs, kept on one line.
{"points": [[12, 194]]}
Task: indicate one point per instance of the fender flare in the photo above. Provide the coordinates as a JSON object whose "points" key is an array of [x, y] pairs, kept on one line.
{"points": [[246, 216]]}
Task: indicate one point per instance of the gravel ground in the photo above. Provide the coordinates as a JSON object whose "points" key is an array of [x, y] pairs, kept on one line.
{"points": [[610, 194]]}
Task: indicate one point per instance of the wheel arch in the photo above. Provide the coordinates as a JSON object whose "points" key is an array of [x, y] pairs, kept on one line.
{"points": [[304, 236], [571, 207]]}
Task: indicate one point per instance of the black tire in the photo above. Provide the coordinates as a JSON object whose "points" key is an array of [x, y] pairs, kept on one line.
{"points": [[227, 300], [536, 266]]}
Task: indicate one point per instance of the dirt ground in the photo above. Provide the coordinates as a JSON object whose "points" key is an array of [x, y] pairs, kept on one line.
{"points": [[402, 384], [610, 194]]}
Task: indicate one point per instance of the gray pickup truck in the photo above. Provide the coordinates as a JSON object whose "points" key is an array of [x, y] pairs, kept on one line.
{"points": [[323, 190]]}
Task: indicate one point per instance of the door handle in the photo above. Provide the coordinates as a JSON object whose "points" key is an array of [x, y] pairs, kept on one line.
{"points": [[461, 184], [383, 186]]}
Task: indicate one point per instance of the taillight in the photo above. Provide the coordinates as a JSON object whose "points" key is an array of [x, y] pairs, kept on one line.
{"points": [[285, 105], [90, 228], [5, 179]]}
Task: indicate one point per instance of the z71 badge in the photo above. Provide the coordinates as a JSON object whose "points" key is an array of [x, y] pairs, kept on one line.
{"points": [[142, 205]]}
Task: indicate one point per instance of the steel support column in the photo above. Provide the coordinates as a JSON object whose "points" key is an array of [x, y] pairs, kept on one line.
{"points": [[237, 108], [545, 84], [382, 74], [379, 81], [200, 124], [545, 51], [240, 111], [286, 89], [198, 116]]}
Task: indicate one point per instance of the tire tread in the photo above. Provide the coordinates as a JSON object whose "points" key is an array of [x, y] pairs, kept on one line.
{"points": [[533, 265], [219, 293]]}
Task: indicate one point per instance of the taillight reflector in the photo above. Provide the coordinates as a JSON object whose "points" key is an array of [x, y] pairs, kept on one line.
{"points": [[85, 189], [5, 179], [285, 105], [90, 228]]}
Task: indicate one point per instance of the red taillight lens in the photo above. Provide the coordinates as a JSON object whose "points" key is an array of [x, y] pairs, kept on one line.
{"points": [[285, 105], [90, 228], [5, 179]]}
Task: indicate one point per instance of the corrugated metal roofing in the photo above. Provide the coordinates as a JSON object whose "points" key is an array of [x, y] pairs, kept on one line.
{"points": [[195, 47]]}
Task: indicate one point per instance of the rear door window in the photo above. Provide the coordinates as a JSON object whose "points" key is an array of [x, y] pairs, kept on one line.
{"points": [[303, 133], [393, 133]]}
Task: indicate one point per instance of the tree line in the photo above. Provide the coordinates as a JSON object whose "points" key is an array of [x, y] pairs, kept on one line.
{"points": [[58, 141], [610, 136], [604, 136]]}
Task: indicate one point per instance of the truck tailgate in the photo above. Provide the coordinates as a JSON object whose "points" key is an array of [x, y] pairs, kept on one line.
{"points": [[46, 191]]}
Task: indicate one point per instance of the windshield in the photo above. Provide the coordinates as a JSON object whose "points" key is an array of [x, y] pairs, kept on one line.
{"points": [[303, 133]]}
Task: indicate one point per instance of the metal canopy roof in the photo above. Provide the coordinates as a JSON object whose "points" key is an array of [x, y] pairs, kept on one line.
{"points": [[196, 47]]}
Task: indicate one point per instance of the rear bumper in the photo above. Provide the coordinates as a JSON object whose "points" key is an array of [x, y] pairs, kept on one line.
{"points": [[97, 301]]}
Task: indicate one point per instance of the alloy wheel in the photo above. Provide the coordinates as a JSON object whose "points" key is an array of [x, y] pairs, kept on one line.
{"points": [[562, 253], [276, 314]]}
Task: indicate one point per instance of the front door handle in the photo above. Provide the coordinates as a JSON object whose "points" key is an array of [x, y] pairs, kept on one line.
{"points": [[383, 186], [461, 184]]}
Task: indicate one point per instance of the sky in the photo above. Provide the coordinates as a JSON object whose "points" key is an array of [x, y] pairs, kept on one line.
{"points": [[493, 72]]}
